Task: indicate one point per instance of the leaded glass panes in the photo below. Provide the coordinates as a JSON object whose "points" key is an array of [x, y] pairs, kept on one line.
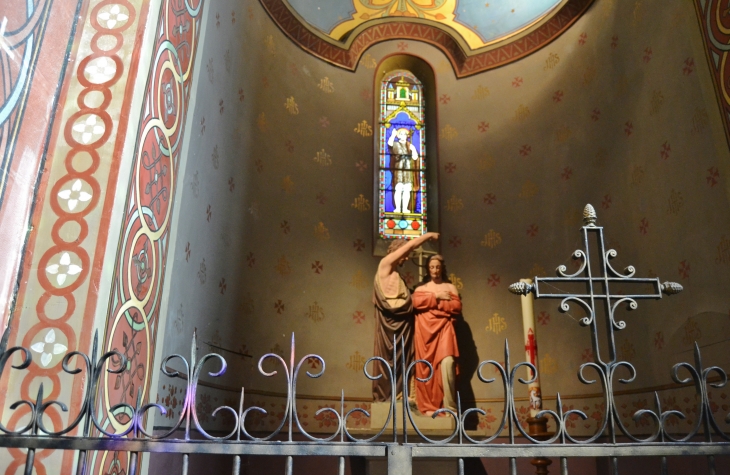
{"points": [[402, 179]]}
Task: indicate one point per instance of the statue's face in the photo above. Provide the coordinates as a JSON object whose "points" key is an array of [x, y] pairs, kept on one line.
{"points": [[434, 270]]}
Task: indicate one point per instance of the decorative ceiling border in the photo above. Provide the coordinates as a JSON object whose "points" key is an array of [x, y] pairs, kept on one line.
{"points": [[139, 265], [465, 62], [716, 40], [63, 258], [14, 100]]}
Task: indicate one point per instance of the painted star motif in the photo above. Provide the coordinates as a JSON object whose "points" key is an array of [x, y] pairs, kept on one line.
{"points": [[48, 348], [73, 195], [63, 269]]}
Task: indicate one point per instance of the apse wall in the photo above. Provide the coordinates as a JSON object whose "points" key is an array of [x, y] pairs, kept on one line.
{"points": [[273, 236]]}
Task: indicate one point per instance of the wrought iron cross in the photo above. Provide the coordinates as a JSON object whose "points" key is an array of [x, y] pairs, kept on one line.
{"points": [[598, 286]]}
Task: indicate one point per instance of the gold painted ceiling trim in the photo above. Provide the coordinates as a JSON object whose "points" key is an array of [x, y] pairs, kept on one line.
{"points": [[465, 60], [457, 31]]}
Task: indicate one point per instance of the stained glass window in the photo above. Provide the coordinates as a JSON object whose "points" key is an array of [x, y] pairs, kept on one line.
{"points": [[402, 179]]}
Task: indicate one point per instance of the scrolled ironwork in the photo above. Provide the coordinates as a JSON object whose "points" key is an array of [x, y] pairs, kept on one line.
{"points": [[94, 371], [505, 412], [5, 355], [391, 410], [698, 375], [289, 395], [510, 418], [628, 272], [193, 370], [291, 416], [437, 413], [632, 305], [585, 321], [607, 369], [295, 416], [562, 269], [34, 409], [607, 373]]}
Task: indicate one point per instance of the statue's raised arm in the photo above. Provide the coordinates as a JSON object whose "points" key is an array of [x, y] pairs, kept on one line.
{"points": [[398, 252]]}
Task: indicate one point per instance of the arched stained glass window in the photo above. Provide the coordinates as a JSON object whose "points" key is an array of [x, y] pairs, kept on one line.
{"points": [[402, 178]]}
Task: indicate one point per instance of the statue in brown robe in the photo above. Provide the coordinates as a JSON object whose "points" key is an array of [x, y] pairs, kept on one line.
{"points": [[393, 314]]}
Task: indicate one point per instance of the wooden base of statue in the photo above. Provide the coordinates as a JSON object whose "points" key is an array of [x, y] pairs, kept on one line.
{"points": [[537, 428]]}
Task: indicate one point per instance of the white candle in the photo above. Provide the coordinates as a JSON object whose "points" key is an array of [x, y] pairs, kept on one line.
{"points": [[528, 324]]}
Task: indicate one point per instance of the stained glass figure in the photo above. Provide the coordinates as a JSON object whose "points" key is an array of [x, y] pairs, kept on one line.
{"points": [[402, 179]]}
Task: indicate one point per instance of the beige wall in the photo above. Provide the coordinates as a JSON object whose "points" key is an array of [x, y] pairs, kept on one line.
{"points": [[584, 120]]}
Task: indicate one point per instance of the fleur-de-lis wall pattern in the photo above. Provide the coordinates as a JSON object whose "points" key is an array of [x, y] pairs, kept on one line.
{"points": [[520, 150], [275, 199]]}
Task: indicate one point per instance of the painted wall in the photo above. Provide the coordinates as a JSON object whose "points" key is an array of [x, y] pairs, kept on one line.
{"points": [[104, 144], [274, 228], [35, 41]]}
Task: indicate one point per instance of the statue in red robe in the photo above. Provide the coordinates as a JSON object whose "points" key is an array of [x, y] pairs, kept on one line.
{"points": [[436, 304]]}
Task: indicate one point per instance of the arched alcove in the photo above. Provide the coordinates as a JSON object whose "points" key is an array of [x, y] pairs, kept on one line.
{"points": [[422, 70], [276, 224], [604, 102]]}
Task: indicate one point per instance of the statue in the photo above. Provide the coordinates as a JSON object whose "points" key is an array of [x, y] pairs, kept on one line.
{"points": [[403, 159], [436, 303], [394, 313]]}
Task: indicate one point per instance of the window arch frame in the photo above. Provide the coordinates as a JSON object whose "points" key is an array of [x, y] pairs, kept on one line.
{"points": [[424, 73], [402, 126]]}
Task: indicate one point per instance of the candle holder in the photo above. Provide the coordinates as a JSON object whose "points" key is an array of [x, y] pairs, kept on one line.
{"points": [[537, 428]]}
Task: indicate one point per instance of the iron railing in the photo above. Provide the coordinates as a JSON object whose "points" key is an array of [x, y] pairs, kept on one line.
{"points": [[391, 442]]}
